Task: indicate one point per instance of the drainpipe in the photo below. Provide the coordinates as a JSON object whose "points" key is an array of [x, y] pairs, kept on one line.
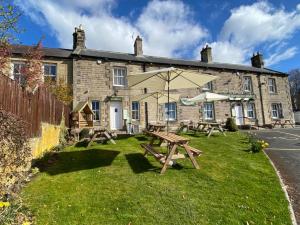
{"points": [[261, 99]]}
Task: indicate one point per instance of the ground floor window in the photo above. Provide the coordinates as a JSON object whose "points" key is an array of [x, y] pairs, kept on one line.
{"points": [[208, 111], [171, 108], [135, 110], [96, 110], [251, 110], [277, 111]]}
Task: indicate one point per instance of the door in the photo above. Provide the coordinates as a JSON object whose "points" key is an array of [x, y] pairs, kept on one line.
{"points": [[116, 115], [239, 117]]}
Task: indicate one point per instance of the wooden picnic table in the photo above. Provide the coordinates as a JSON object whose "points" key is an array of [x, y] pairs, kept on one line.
{"points": [[209, 127], [156, 127], [173, 142], [98, 133], [282, 123]]}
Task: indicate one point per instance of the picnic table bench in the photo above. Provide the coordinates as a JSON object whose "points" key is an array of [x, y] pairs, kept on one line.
{"points": [[156, 127], [282, 123], [173, 142], [209, 128], [98, 133]]}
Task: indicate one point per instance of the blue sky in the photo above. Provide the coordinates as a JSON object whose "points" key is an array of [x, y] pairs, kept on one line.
{"points": [[234, 29]]}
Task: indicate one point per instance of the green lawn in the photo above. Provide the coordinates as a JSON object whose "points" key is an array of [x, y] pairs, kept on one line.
{"points": [[116, 184]]}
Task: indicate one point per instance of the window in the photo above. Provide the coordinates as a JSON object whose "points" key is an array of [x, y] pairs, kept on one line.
{"points": [[208, 111], [250, 110], [96, 110], [50, 71], [135, 110], [172, 111], [247, 84], [119, 76], [272, 85], [207, 86], [18, 68], [277, 111]]}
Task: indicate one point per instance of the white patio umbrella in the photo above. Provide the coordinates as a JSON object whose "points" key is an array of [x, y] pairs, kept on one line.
{"points": [[207, 97], [160, 98], [167, 79]]}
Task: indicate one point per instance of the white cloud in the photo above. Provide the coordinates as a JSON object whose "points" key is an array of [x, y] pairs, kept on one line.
{"points": [[166, 26], [259, 25], [280, 56]]}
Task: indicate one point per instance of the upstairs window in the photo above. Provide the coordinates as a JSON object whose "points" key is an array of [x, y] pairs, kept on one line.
{"points": [[208, 111], [277, 111], [50, 71], [135, 110], [208, 86], [119, 76], [96, 110], [272, 85], [251, 110], [18, 68], [172, 111], [247, 84]]}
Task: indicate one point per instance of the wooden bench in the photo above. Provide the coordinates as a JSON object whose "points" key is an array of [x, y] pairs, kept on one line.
{"points": [[173, 142]]}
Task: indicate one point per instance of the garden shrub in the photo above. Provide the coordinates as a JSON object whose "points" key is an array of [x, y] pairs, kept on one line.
{"points": [[15, 153], [256, 145], [231, 125]]}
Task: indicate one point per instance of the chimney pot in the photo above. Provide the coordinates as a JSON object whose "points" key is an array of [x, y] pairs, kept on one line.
{"points": [[138, 46], [79, 37], [206, 54]]}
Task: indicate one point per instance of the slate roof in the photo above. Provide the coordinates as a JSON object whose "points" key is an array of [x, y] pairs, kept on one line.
{"points": [[69, 53], [48, 52]]}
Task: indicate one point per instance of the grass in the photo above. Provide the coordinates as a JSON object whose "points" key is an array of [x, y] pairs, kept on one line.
{"points": [[116, 184]]}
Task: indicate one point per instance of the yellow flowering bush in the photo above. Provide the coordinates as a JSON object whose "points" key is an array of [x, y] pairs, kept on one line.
{"points": [[4, 204], [257, 145]]}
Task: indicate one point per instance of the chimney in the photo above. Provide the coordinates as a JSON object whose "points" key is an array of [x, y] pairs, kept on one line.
{"points": [[206, 55], [138, 46], [257, 60], [78, 38]]}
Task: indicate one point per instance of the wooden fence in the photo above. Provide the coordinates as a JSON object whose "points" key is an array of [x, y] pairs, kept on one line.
{"points": [[33, 109]]}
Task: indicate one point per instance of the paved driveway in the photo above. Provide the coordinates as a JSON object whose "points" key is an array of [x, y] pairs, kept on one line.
{"points": [[284, 151]]}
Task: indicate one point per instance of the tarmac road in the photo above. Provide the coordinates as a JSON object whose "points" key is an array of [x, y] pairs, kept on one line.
{"points": [[284, 151]]}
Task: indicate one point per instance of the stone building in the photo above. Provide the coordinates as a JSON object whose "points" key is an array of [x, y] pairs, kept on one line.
{"points": [[256, 94]]}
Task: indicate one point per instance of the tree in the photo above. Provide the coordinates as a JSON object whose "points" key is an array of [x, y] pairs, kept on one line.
{"points": [[9, 17], [61, 90], [32, 71], [294, 81]]}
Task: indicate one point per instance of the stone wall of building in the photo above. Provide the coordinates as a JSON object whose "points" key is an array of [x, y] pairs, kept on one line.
{"points": [[93, 80]]}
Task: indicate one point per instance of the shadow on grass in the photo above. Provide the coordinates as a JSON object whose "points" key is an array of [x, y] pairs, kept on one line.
{"points": [[66, 162], [140, 164], [141, 138]]}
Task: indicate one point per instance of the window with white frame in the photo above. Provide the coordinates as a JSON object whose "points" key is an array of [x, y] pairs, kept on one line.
{"points": [[96, 110], [18, 68], [50, 71], [272, 85], [208, 86], [251, 110], [170, 111], [208, 111], [119, 76], [247, 84], [135, 110], [277, 111]]}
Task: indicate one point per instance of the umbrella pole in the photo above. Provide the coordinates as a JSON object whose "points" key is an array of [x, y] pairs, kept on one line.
{"points": [[168, 117]]}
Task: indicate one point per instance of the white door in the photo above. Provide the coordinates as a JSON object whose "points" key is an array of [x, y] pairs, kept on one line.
{"points": [[239, 118], [116, 115]]}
